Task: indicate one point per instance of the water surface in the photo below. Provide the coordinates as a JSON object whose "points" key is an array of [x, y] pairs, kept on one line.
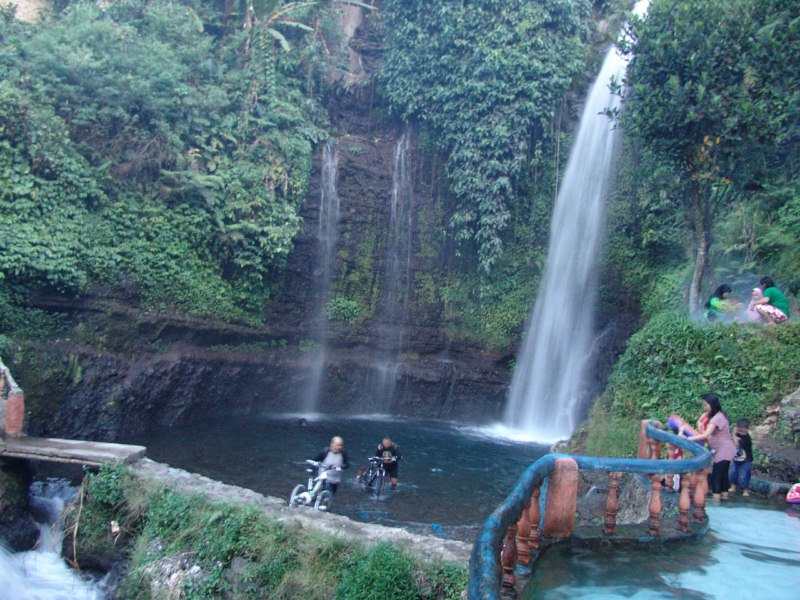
{"points": [[449, 480], [752, 552]]}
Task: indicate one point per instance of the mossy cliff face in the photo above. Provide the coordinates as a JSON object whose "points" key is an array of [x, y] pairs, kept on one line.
{"points": [[109, 368]]}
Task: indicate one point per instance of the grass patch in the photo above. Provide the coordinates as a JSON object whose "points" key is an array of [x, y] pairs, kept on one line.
{"points": [[672, 361], [243, 554]]}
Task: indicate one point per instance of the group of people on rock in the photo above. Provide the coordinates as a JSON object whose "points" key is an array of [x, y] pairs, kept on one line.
{"points": [[768, 304], [732, 451]]}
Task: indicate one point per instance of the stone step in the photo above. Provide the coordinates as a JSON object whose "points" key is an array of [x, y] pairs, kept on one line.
{"points": [[70, 451]]}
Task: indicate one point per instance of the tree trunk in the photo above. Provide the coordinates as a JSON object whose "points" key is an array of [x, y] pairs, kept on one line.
{"points": [[701, 225]]}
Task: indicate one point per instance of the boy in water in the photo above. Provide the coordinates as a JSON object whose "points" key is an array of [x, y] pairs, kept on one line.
{"points": [[390, 453], [742, 463], [334, 459]]}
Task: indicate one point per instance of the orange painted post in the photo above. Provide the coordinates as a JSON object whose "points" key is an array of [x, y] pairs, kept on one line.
{"points": [[534, 516], [701, 489], [508, 557], [684, 503], [612, 503], [562, 499], [524, 538], [655, 505], [15, 413], [644, 441]]}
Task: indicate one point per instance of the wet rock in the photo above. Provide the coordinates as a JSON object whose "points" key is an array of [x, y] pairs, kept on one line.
{"points": [[168, 577], [634, 500], [18, 531], [776, 442]]}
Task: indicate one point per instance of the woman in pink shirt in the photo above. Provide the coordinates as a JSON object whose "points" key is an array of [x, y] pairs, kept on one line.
{"points": [[717, 434]]}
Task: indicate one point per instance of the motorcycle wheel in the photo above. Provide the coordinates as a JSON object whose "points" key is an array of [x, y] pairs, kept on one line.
{"points": [[294, 497], [323, 501]]}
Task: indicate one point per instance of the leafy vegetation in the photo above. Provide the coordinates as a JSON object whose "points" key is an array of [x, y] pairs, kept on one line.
{"points": [[272, 560], [707, 193], [487, 77], [139, 149], [344, 309], [672, 361], [714, 99]]}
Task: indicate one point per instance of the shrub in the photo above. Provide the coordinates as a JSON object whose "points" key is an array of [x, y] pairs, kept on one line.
{"points": [[672, 361], [344, 309], [382, 573]]}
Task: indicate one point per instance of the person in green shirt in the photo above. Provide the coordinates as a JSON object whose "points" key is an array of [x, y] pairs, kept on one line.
{"points": [[774, 306], [720, 306]]}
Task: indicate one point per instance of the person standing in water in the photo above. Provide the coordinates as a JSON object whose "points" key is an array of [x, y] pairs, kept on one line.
{"points": [[390, 453], [742, 465], [718, 436], [334, 460]]}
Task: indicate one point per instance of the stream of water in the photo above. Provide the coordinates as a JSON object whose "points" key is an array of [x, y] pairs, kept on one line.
{"points": [[42, 574], [327, 236], [393, 309]]}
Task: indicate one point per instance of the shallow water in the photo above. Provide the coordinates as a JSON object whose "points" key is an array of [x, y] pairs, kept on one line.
{"points": [[449, 480], [752, 552]]}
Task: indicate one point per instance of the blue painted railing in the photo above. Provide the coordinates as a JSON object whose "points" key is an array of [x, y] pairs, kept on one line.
{"points": [[485, 569]]}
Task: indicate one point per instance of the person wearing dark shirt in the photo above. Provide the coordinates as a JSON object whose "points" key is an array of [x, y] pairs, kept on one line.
{"points": [[333, 459], [390, 453], [742, 463]]}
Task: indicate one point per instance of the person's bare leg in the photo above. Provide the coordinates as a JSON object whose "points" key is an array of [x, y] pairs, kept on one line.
{"points": [[394, 483]]}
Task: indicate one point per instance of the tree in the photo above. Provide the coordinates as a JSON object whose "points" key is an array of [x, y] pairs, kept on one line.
{"points": [[713, 88]]}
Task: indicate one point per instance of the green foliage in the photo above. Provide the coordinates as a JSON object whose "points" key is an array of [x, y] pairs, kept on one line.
{"points": [[275, 561], [487, 76], [712, 115], [344, 309], [671, 361], [106, 486], [139, 150], [761, 235], [714, 85], [610, 434], [382, 573], [491, 309], [446, 581]]}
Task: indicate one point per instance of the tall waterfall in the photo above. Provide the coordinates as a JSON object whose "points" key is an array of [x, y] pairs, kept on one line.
{"points": [[327, 236], [551, 373], [393, 310]]}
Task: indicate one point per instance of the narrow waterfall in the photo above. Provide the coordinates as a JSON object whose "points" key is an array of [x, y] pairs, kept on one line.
{"points": [[393, 309], [327, 236], [552, 367], [42, 574]]}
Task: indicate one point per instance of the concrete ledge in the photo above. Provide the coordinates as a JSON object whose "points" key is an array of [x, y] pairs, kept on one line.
{"points": [[422, 546]]}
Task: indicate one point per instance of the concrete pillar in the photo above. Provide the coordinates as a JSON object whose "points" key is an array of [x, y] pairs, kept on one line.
{"points": [[562, 500], [15, 414]]}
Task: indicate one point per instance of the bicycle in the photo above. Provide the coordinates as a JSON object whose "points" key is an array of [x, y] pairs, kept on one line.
{"points": [[374, 477], [315, 493]]}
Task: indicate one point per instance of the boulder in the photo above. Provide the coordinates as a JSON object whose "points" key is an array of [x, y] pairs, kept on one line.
{"points": [[18, 531]]}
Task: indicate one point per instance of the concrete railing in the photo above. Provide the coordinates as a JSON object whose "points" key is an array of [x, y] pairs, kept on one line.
{"points": [[542, 505], [12, 405]]}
